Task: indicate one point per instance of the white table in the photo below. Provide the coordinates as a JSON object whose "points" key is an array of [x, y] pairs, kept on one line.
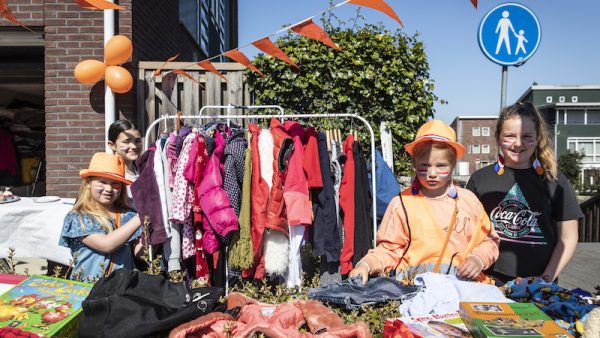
{"points": [[33, 229]]}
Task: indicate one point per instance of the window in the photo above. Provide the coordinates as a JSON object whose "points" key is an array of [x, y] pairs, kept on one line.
{"points": [[548, 99], [476, 131], [485, 149], [589, 146], [485, 131], [476, 149], [593, 116], [482, 164], [561, 99], [575, 116], [574, 99]]}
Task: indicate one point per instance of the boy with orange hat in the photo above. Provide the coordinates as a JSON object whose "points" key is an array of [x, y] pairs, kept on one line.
{"points": [[433, 225], [101, 228]]}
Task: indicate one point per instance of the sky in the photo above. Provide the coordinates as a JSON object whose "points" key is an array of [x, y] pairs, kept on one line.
{"points": [[568, 54]]}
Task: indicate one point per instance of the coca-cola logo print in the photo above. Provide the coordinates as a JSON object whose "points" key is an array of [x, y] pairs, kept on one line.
{"points": [[514, 219]]}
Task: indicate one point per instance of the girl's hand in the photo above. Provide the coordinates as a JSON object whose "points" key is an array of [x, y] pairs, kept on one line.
{"points": [[470, 268], [361, 270]]}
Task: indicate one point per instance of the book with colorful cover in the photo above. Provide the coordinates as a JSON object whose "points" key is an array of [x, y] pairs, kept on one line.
{"points": [[509, 320], [435, 325], [44, 305]]}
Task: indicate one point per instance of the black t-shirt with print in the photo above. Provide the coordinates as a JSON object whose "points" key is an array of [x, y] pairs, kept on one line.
{"points": [[524, 208]]}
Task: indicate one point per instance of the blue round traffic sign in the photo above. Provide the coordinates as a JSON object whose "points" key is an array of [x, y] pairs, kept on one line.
{"points": [[509, 34]]}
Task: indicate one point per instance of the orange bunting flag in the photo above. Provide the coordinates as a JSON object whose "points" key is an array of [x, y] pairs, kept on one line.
{"points": [[157, 72], [98, 4], [184, 73], [270, 48], [311, 30], [8, 15], [238, 56], [378, 5], [209, 66], [474, 2]]}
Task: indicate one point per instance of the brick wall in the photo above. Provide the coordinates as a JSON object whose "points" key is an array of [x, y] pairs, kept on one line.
{"points": [[467, 139], [28, 12]]}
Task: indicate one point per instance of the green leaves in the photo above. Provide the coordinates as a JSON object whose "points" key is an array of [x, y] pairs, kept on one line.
{"points": [[381, 75]]}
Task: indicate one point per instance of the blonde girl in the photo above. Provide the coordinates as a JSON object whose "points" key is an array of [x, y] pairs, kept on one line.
{"points": [[101, 228], [530, 202], [433, 225]]}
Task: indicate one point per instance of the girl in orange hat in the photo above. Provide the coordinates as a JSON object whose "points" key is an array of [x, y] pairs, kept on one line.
{"points": [[530, 202], [433, 225], [101, 228]]}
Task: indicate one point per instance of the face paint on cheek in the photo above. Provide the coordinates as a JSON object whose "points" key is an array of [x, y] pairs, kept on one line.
{"points": [[99, 190], [507, 145], [443, 173], [422, 173], [530, 144]]}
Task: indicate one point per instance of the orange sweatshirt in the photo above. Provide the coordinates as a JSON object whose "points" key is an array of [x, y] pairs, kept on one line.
{"points": [[429, 218]]}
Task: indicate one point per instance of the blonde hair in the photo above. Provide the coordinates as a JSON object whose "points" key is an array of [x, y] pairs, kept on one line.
{"points": [[543, 151], [422, 148], [85, 204]]}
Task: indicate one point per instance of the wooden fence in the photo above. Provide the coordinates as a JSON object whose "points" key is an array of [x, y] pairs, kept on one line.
{"points": [[589, 225], [169, 93]]}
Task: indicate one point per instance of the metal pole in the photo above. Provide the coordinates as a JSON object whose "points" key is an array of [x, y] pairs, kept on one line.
{"points": [[109, 96], [503, 90]]}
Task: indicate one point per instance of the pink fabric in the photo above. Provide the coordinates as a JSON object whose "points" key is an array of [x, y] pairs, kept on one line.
{"points": [[215, 204], [183, 199], [272, 320], [171, 159], [297, 203]]}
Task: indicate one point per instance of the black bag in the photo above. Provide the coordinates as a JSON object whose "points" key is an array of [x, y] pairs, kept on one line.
{"points": [[134, 304]]}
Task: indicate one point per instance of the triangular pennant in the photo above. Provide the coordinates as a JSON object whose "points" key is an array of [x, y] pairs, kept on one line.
{"points": [[270, 48], [186, 74], [378, 5], [474, 2], [157, 72], [238, 56], [98, 5], [311, 30], [209, 66], [8, 15]]}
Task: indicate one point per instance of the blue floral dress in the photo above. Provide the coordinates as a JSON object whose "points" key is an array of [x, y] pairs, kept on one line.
{"points": [[89, 264]]}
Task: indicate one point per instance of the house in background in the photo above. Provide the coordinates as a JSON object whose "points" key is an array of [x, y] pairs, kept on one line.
{"points": [[52, 117], [573, 116], [476, 133]]}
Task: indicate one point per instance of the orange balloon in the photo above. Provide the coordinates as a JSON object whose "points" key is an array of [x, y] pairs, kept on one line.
{"points": [[118, 79], [89, 71], [117, 50]]}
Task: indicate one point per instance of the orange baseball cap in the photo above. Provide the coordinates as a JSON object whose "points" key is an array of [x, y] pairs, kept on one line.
{"points": [[108, 166], [436, 131]]}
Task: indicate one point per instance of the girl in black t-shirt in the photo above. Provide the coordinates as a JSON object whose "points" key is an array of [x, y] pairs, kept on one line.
{"points": [[529, 201]]}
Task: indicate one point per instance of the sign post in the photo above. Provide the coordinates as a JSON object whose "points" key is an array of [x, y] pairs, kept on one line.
{"points": [[509, 35]]}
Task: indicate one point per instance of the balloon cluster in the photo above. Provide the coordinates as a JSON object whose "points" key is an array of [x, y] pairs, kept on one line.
{"points": [[117, 51]]}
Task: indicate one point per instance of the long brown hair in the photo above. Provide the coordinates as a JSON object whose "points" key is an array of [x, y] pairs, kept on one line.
{"points": [[544, 150], [85, 204]]}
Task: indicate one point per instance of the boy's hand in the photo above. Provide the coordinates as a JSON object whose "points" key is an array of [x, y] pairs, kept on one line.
{"points": [[470, 268], [361, 270]]}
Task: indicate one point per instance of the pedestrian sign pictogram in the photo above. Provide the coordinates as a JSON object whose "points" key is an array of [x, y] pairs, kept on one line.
{"points": [[509, 34]]}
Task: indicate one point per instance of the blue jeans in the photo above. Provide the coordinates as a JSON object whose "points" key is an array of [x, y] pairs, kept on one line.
{"points": [[353, 294]]}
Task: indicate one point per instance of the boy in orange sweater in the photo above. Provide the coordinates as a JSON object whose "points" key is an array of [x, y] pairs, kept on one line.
{"points": [[433, 225]]}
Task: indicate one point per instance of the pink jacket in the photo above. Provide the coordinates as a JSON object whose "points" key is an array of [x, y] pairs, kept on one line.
{"points": [[295, 193], [214, 202]]}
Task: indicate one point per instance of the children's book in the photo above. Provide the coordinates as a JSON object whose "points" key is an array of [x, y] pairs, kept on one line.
{"points": [[509, 320], [44, 305], [447, 325]]}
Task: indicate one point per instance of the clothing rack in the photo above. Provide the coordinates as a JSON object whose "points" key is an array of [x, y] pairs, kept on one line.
{"points": [[281, 116]]}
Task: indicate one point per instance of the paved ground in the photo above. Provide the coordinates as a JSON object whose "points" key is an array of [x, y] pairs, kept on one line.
{"points": [[583, 270]]}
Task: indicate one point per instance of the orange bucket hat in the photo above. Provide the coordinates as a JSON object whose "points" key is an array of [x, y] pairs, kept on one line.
{"points": [[108, 166], [436, 131]]}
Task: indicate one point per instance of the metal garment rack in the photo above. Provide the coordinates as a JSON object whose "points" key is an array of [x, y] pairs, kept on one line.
{"points": [[281, 116]]}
